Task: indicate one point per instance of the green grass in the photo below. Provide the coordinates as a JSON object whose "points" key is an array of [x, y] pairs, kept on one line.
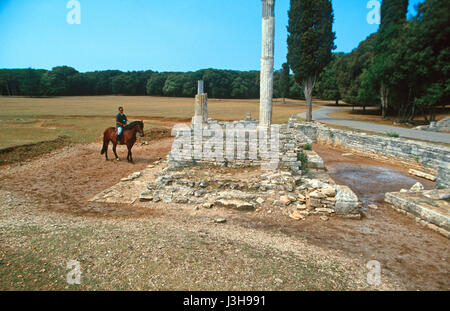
{"points": [[393, 134], [304, 159], [307, 147]]}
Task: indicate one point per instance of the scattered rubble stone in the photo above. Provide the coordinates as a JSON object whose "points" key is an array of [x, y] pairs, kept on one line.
{"points": [[422, 174], [260, 200], [346, 201], [208, 205], [146, 196], [285, 200], [132, 176], [236, 204], [247, 189], [417, 187], [296, 215]]}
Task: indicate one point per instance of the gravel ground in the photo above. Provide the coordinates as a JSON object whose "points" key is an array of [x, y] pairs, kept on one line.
{"points": [[46, 221]]}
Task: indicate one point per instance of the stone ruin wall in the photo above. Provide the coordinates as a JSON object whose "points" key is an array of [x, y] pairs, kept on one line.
{"points": [[237, 144], [432, 157]]}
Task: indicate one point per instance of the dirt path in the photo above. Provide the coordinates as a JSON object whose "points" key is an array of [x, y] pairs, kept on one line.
{"points": [[419, 255], [250, 251], [64, 180]]}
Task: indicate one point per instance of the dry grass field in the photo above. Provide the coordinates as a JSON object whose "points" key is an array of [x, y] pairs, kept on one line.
{"points": [[83, 118]]}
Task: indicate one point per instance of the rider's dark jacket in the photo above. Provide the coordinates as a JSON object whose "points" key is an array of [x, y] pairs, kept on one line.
{"points": [[122, 118]]}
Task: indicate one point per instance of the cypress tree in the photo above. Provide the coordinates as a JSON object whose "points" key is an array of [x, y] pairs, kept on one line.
{"points": [[310, 43]]}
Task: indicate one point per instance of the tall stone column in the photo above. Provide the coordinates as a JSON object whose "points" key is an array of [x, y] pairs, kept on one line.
{"points": [[266, 81], [201, 105]]}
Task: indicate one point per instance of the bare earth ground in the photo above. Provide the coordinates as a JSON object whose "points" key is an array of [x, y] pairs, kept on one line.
{"points": [[46, 220]]}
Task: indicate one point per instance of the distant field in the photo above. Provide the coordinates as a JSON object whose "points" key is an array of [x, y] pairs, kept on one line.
{"points": [[83, 118]]}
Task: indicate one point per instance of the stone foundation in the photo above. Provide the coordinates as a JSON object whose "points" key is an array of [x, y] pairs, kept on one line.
{"points": [[237, 144], [424, 156], [251, 188], [430, 208]]}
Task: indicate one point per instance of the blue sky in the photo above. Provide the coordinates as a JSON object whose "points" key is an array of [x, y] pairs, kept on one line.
{"points": [[162, 35]]}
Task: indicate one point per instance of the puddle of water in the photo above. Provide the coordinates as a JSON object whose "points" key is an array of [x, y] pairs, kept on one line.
{"points": [[370, 182]]}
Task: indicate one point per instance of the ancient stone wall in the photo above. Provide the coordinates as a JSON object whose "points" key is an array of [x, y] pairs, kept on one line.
{"points": [[434, 157], [234, 144]]}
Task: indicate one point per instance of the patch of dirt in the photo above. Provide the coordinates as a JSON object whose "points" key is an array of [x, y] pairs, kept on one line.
{"points": [[402, 246], [333, 157], [26, 152], [65, 179]]}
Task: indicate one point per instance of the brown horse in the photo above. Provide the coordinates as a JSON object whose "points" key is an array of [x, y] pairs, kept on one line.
{"points": [[129, 138]]}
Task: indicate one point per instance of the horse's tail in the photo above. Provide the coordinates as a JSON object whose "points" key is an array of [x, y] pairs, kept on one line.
{"points": [[105, 144]]}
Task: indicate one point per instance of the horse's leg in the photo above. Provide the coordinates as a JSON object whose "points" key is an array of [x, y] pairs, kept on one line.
{"points": [[129, 156], [114, 150], [106, 150]]}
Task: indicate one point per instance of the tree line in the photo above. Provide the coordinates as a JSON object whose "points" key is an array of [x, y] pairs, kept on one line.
{"points": [[403, 68], [67, 81]]}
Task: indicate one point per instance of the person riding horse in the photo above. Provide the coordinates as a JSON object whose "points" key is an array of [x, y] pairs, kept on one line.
{"points": [[121, 122]]}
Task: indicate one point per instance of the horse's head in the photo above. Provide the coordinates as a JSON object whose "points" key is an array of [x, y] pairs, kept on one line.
{"points": [[141, 128]]}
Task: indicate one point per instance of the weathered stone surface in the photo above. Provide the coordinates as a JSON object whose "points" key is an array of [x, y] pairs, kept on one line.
{"points": [[266, 84], [428, 208], [314, 160], [146, 196], [427, 154], [296, 215], [132, 176], [437, 194], [416, 187], [236, 204], [260, 200], [208, 205], [181, 200], [443, 178], [317, 194], [244, 134], [301, 206], [285, 200], [328, 191], [325, 210], [440, 126], [203, 184], [346, 201], [422, 174], [315, 203], [279, 203], [444, 124]]}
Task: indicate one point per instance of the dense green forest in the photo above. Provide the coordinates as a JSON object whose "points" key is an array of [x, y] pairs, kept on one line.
{"points": [[404, 69], [63, 80]]}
